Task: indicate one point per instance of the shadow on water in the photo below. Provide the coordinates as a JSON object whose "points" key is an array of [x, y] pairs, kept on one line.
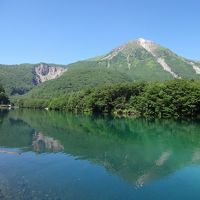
{"points": [[3, 113]]}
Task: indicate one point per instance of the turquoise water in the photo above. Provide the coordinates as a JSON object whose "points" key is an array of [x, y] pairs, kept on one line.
{"points": [[49, 155]]}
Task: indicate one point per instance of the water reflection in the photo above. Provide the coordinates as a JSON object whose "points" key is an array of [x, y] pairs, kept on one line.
{"points": [[138, 151], [42, 143]]}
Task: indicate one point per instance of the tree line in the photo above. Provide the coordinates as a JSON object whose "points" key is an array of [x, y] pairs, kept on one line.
{"points": [[175, 98], [4, 100]]}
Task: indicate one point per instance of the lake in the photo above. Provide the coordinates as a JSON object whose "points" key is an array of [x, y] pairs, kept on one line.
{"points": [[60, 156]]}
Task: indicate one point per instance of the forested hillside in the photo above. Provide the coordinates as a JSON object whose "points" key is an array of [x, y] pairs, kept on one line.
{"points": [[16, 79], [77, 78]]}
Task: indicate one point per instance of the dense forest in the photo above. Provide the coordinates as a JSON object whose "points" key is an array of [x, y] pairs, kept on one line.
{"points": [[4, 100], [16, 79], [175, 98]]}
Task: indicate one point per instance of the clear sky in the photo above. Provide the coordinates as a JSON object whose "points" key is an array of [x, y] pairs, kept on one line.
{"points": [[64, 31]]}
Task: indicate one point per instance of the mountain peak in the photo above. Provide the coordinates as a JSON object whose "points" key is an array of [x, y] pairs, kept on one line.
{"points": [[145, 43], [126, 48], [140, 41], [144, 40]]}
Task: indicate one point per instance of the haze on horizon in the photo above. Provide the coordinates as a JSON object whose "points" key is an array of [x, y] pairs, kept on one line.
{"points": [[59, 31]]}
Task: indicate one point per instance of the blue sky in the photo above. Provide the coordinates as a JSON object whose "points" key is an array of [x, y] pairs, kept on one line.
{"points": [[64, 31]]}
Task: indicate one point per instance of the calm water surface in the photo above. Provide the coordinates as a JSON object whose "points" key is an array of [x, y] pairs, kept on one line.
{"points": [[49, 155]]}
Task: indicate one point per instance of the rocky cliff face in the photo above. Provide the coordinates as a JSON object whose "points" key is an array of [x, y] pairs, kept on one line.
{"points": [[44, 72]]}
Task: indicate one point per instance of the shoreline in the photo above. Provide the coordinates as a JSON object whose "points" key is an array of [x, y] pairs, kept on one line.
{"points": [[116, 114], [2, 106]]}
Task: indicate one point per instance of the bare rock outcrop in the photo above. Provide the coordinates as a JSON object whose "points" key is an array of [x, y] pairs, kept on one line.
{"points": [[44, 72]]}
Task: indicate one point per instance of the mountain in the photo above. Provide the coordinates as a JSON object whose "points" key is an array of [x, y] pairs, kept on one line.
{"points": [[19, 79], [145, 60], [135, 61]]}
